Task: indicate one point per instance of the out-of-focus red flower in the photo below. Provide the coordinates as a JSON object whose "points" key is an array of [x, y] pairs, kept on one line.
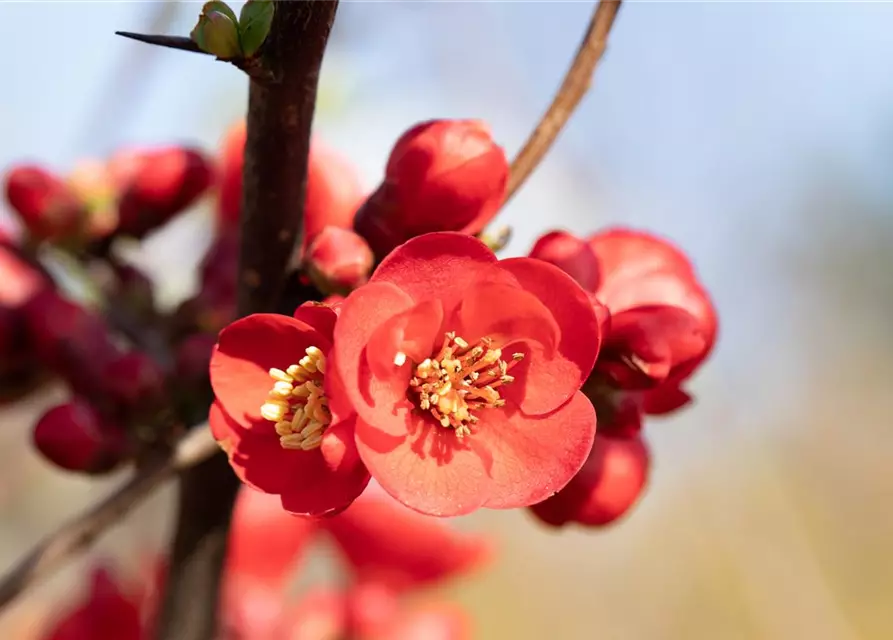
{"points": [[48, 207], [607, 486], [384, 541], [334, 191], [464, 372], [108, 612], [338, 260], [75, 437], [157, 184], [442, 175], [662, 321], [265, 542], [280, 413], [229, 198], [368, 611]]}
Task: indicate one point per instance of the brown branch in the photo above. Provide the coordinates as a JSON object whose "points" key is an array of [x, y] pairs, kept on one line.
{"points": [[78, 534], [280, 114], [576, 83]]}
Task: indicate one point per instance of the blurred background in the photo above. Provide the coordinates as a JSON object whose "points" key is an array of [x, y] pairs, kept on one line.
{"points": [[758, 136]]}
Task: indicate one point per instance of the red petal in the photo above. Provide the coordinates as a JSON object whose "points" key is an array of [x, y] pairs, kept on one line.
{"points": [[510, 461], [247, 350], [507, 315], [436, 265], [665, 399], [412, 332], [571, 254], [362, 313], [564, 371], [318, 315]]}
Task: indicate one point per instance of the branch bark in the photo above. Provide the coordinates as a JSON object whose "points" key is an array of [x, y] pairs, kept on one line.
{"points": [[576, 83], [280, 114], [78, 534]]}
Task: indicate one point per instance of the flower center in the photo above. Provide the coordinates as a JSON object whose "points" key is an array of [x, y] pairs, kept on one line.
{"points": [[460, 380], [297, 404]]}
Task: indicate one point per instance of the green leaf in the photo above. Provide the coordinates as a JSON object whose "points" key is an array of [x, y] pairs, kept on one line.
{"points": [[217, 31], [254, 25]]}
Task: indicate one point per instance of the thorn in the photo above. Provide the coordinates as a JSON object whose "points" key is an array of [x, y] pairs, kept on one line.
{"points": [[171, 42]]}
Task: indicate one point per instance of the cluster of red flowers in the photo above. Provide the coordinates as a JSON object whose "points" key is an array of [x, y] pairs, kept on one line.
{"points": [[452, 378], [388, 556]]}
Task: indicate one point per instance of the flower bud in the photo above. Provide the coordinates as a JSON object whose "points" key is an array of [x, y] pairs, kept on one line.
{"points": [[607, 486], [47, 206], [338, 261], [133, 384], [74, 436], [157, 184], [70, 341], [442, 175], [571, 254]]}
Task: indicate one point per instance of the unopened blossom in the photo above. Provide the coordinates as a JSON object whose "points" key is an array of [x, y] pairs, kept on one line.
{"points": [[606, 488], [156, 184], [465, 372], [382, 540], [279, 413], [75, 437], [442, 175], [338, 260], [46, 205]]}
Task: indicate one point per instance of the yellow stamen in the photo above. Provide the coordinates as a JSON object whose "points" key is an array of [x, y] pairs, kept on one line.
{"points": [[460, 379], [297, 404]]}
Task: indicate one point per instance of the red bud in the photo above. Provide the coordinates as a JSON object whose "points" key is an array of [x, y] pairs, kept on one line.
{"points": [[73, 436], [607, 486], [334, 191], [157, 184], [442, 175], [134, 383], [339, 260], [47, 206]]}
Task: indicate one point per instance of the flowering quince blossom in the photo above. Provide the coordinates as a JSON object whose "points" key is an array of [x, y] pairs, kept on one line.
{"points": [[384, 541], [662, 323], [278, 413], [465, 371], [108, 612]]}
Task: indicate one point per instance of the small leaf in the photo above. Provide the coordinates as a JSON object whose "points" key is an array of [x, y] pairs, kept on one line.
{"points": [[254, 25], [217, 31]]}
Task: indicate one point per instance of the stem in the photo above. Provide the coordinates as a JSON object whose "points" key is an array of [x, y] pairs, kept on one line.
{"points": [[280, 114], [576, 83]]}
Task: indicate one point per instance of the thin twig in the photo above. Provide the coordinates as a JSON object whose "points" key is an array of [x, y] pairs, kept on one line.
{"points": [[576, 83], [78, 534], [281, 102]]}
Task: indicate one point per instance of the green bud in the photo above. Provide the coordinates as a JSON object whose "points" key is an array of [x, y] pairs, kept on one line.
{"points": [[254, 25], [217, 31]]}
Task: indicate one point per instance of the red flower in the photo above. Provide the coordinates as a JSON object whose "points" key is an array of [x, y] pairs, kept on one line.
{"points": [[369, 611], [384, 541], [107, 613], [279, 413], [464, 372], [334, 191], [442, 175], [662, 322], [607, 487]]}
